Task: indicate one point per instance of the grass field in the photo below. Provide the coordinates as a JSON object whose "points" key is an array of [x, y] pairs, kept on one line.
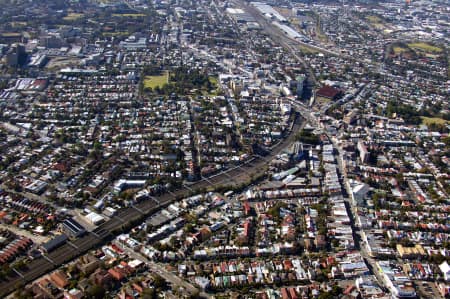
{"points": [[399, 50], [73, 16], [374, 19], [376, 22], [425, 47], [129, 15], [18, 24], [154, 81], [434, 120], [215, 86], [214, 80]]}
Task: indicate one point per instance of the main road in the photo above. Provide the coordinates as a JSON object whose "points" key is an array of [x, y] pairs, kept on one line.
{"points": [[132, 215], [351, 205]]}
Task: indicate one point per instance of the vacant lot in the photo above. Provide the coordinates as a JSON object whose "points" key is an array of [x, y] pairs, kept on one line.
{"points": [[62, 62], [154, 81], [307, 50]]}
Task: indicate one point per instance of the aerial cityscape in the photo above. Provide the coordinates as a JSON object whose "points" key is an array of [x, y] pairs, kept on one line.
{"points": [[225, 149]]}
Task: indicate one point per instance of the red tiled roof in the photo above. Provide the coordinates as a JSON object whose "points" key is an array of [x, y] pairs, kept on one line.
{"points": [[328, 92]]}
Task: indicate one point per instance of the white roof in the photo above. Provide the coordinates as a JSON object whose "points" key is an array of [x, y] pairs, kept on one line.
{"points": [[135, 263], [445, 268], [94, 217], [361, 188]]}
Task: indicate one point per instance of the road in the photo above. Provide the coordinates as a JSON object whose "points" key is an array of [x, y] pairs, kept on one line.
{"points": [[130, 216]]}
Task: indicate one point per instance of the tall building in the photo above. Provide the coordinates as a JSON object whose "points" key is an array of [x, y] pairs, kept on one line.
{"points": [[300, 84], [16, 55], [53, 42], [363, 152]]}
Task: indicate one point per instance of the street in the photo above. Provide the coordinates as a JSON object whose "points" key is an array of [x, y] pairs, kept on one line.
{"points": [[156, 268]]}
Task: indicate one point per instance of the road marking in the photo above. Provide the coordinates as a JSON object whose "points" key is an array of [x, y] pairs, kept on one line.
{"points": [[95, 234], [229, 176], [120, 219], [101, 232], [48, 259], [18, 273], [73, 245], [207, 180], [265, 159], [245, 170], [186, 186], [173, 194], [154, 199], [137, 209]]}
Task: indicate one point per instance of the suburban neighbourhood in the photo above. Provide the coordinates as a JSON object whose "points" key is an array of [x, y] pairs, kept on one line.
{"points": [[224, 149]]}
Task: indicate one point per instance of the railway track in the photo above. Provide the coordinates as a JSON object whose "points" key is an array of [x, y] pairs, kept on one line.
{"points": [[126, 217]]}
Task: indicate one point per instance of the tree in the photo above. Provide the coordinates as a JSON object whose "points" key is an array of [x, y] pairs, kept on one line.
{"points": [[189, 228], [446, 140], [308, 137], [148, 293], [97, 292], [23, 294], [196, 294], [159, 282], [98, 146]]}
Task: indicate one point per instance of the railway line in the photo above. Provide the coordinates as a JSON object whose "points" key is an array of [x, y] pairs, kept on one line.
{"points": [[139, 212]]}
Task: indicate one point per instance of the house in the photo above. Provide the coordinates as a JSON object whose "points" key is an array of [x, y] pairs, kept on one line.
{"points": [[102, 277], [73, 294], [116, 273], [59, 279], [203, 234], [88, 263], [410, 252], [444, 289]]}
